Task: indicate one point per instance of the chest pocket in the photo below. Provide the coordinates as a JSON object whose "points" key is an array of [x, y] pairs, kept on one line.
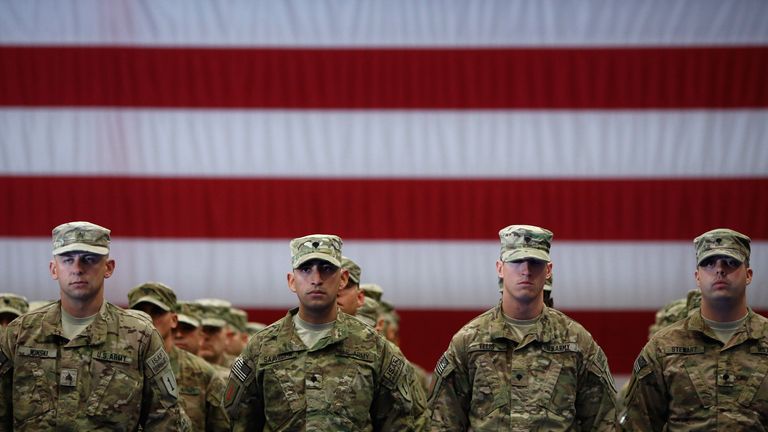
{"points": [[35, 370], [283, 390], [349, 388], [489, 388], [116, 392]]}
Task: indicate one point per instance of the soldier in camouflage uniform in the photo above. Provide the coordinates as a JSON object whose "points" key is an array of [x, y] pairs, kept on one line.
{"points": [[707, 372], [522, 366], [351, 297], [188, 333], [237, 334], [200, 387], [11, 306], [81, 363], [319, 369], [213, 316]]}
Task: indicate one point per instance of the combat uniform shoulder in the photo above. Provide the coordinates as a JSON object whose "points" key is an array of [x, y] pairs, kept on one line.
{"points": [[33, 318], [132, 317], [197, 364]]}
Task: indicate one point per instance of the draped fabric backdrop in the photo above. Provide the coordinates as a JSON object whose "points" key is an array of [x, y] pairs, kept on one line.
{"points": [[207, 134]]}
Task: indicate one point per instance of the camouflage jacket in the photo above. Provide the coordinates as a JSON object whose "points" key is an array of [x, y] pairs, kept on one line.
{"points": [[686, 379], [200, 391], [555, 379], [350, 381], [113, 376]]}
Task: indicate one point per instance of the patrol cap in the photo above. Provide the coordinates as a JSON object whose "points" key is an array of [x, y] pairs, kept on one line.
{"points": [[326, 247], [186, 314], [369, 312], [80, 236], [722, 241], [13, 304], [154, 293], [525, 241], [213, 312], [238, 318], [372, 290], [354, 270]]}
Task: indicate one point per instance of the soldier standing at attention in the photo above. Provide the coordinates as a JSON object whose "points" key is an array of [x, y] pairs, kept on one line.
{"points": [[200, 387], [319, 369], [709, 371], [522, 366], [82, 363]]}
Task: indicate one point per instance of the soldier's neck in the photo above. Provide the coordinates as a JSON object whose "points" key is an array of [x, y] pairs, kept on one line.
{"points": [[317, 316], [723, 312], [521, 310], [82, 308]]}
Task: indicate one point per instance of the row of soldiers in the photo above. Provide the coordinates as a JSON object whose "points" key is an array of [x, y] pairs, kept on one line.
{"points": [[332, 363]]}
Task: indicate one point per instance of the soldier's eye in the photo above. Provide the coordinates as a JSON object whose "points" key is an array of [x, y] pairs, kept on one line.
{"points": [[732, 262]]}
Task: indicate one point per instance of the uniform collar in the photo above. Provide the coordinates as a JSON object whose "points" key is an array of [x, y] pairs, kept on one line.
{"points": [[95, 334], [290, 340], [750, 329], [543, 332]]}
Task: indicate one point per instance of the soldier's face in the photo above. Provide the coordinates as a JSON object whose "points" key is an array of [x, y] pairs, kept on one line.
{"points": [[81, 274], [164, 321], [188, 337], [213, 344], [721, 278], [350, 298], [316, 284], [523, 280]]}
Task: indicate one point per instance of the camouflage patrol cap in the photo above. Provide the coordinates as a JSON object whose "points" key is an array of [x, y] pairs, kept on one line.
{"points": [[326, 247], [80, 236], [354, 270], [186, 313], [13, 304], [372, 290], [722, 241], [369, 312], [213, 312], [237, 318], [154, 293], [525, 241]]}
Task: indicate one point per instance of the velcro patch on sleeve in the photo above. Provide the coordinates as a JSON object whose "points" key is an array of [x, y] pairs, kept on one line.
{"points": [[442, 365], [640, 363], [393, 370], [241, 370], [158, 361]]}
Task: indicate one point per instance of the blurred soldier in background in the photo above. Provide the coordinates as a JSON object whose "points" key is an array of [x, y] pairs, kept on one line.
{"points": [[82, 363], [237, 336], [318, 369], [350, 296], [200, 387], [522, 365], [213, 347], [708, 370], [372, 290], [188, 334], [11, 306], [548, 299]]}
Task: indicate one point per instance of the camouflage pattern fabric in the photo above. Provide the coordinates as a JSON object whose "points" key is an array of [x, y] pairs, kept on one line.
{"points": [[685, 379], [350, 381], [555, 379], [200, 391], [675, 310], [113, 376]]}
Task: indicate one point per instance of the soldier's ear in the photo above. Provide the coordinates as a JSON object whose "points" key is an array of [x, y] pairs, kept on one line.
{"points": [[110, 268], [291, 282], [53, 269]]}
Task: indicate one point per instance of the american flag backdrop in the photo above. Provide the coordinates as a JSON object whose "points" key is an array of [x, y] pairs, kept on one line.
{"points": [[208, 134]]}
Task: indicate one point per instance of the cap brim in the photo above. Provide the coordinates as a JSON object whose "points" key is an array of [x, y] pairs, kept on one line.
{"points": [[81, 247], [11, 311], [721, 252], [152, 300], [213, 322], [317, 255], [186, 319], [525, 253]]}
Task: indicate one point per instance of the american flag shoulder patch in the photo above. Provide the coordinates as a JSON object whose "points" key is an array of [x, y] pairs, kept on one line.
{"points": [[240, 370]]}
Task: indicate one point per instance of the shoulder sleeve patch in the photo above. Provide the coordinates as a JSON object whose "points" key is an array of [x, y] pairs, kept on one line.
{"points": [[241, 370], [168, 383], [393, 370], [442, 365], [158, 361]]}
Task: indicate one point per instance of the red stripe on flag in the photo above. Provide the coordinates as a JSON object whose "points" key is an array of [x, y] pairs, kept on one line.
{"points": [[522, 78], [413, 209]]}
